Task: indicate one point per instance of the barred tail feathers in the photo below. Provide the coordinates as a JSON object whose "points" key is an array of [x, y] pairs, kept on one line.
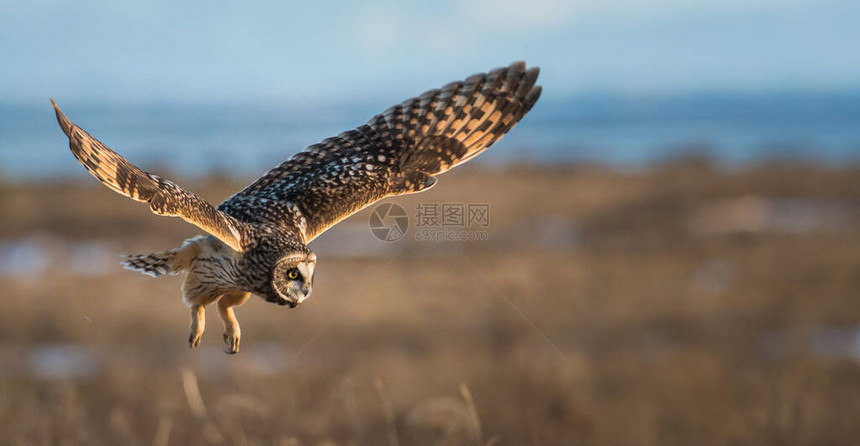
{"points": [[158, 264]]}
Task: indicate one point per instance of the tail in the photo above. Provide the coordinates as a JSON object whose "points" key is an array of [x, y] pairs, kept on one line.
{"points": [[157, 264]]}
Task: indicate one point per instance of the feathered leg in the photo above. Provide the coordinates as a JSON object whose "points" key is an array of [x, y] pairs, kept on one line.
{"points": [[232, 332], [198, 324], [197, 294]]}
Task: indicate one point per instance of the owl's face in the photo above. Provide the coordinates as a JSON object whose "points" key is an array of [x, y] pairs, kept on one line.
{"points": [[293, 278]]}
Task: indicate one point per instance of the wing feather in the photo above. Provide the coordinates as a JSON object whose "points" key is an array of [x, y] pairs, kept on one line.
{"points": [[163, 196], [398, 151]]}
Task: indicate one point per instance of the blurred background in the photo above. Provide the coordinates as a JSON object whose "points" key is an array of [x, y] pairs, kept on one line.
{"points": [[671, 256]]}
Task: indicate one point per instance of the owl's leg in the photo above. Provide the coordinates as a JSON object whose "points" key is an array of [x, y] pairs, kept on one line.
{"points": [[232, 332], [198, 324], [197, 297]]}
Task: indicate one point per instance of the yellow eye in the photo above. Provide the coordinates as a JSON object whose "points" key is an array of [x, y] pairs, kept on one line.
{"points": [[293, 274]]}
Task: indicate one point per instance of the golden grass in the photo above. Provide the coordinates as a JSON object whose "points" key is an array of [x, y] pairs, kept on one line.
{"points": [[646, 308]]}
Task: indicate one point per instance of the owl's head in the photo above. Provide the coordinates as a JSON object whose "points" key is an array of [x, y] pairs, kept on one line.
{"points": [[293, 278]]}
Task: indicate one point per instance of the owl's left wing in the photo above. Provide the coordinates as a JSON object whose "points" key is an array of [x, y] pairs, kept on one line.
{"points": [[399, 151], [163, 196]]}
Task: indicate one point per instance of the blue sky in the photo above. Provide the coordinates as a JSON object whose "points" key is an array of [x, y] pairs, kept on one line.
{"points": [[284, 52]]}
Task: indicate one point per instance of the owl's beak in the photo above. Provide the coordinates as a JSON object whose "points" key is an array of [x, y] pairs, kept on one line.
{"points": [[306, 293], [295, 301]]}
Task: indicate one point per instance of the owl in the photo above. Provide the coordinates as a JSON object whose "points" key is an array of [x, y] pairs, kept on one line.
{"points": [[257, 239]]}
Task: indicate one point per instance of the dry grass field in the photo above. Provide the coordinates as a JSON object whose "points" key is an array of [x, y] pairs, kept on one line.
{"points": [[682, 304]]}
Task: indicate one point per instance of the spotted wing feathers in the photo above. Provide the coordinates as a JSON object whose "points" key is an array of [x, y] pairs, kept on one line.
{"points": [[399, 151], [163, 196], [444, 128]]}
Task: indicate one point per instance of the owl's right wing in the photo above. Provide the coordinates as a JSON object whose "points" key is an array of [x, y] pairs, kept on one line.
{"points": [[397, 152], [164, 197]]}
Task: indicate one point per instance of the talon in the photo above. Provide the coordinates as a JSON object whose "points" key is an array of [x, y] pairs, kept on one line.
{"points": [[194, 339], [232, 344]]}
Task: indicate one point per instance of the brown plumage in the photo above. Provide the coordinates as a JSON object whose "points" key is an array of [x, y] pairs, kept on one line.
{"points": [[258, 237], [163, 196], [398, 151]]}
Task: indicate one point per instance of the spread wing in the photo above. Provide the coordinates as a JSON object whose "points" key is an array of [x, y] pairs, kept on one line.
{"points": [[164, 197], [397, 152]]}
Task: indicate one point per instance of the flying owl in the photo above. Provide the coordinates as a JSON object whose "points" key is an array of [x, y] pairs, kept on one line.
{"points": [[258, 238]]}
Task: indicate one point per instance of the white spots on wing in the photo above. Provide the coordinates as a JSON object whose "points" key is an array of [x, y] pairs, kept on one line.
{"points": [[298, 219], [381, 158], [303, 227]]}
